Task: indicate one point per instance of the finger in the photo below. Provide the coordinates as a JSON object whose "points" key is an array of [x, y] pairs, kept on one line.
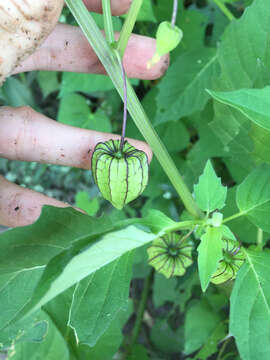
{"points": [[28, 135], [20, 206], [118, 7], [66, 49]]}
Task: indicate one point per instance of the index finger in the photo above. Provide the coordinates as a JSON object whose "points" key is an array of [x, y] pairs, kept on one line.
{"points": [[27, 135]]}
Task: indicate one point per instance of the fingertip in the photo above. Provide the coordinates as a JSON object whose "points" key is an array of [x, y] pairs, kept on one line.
{"points": [[139, 52]]}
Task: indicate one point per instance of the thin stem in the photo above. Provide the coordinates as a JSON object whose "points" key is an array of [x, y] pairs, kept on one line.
{"points": [[225, 10], [111, 64], [222, 349], [141, 309], [260, 239], [174, 14], [107, 18], [235, 216], [128, 26], [125, 104], [184, 225]]}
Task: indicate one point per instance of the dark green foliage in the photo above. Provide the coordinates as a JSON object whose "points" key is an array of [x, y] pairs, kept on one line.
{"points": [[78, 287]]}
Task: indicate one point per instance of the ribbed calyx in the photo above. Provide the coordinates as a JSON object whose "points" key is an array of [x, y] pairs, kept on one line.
{"points": [[120, 174], [233, 259], [170, 254]]}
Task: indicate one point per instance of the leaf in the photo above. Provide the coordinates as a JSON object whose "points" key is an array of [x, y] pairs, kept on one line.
{"points": [[74, 264], [164, 289], [146, 12], [165, 339], [211, 345], [48, 82], [210, 252], [250, 307], [88, 83], [253, 103], [245, 230], [98, 299], [138, 352], [210, 194], [75, 110], [200, 323], [54, 346], [82, 200], [197, 70], [25, 251], [253, 197], [156, 221], [17, 93], [243, 55], [109, 342]]}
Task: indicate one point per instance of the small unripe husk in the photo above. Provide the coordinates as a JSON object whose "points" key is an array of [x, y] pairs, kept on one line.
{"points": [[120, 174]]}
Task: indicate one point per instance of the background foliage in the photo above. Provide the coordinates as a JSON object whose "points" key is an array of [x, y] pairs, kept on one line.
{"points": [[68, 295]]}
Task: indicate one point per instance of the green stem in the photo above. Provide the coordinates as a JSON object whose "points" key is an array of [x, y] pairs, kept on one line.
{"points": [[128, 26], [225, 10], [260, 239], [184, 225], [111, 64], [107, 18], [235, 216], [141, 309]]}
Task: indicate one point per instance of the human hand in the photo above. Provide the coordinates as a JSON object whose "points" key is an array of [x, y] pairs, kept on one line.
{"points": [[27, 135]]}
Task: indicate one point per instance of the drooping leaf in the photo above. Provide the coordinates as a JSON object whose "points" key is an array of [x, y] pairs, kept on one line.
{"points": [[250, 307], [74, 264], [210, 252], [253, 103], [98, 299], [210, 194], [253, 197]]}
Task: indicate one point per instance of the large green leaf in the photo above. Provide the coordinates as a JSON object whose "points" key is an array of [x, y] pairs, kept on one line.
{"points": [[182, 90], [253, 197], [98, 298], [74, 264], [210, 252], [244, 56], [54, 346], [57, 239], [253, 103], [210, 194], [250, 307]]}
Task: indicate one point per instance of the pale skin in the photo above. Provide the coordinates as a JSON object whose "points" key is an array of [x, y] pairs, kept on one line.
{"points": [[27, 135]]}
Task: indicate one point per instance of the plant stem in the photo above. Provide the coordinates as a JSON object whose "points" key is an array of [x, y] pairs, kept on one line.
{"points": [[111, 64], [128, 26], [125, 103], [107, 19], [174, 14], [184, 225], [235, 216], [141, 309], [225, 10], [260, 239]]}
